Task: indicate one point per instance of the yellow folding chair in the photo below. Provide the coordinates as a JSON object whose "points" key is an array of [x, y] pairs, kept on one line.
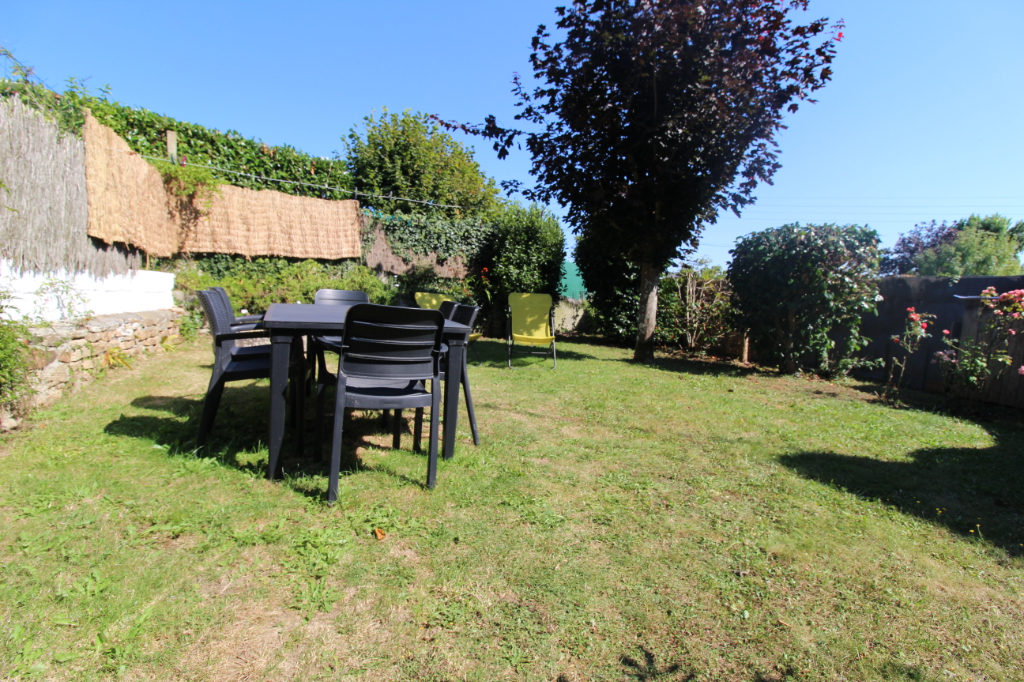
{"points": [[530, 321], [430, 300]]}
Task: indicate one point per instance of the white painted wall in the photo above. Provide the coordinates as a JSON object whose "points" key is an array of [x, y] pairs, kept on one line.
{"points": [[132, 293]]}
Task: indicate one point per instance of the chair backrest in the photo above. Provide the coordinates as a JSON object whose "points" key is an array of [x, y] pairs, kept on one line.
{"points": [[338, 296], [530, 314], [447, 308], [426, 299], [465, 314], [219, 315], [387, 342]]}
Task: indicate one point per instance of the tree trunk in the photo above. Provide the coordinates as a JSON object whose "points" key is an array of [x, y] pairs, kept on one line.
{"points": [[649, 277]]}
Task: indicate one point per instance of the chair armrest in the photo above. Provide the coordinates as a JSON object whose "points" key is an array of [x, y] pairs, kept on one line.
{"points": [[247, 319], [247, 327], [243, 334]]}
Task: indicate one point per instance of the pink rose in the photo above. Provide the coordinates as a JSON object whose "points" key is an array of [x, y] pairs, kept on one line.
{"points": [[946, 332], [1013, 332], [924, 325], [1020, 371]]}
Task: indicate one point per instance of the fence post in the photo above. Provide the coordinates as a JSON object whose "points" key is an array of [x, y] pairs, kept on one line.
{"points": [[172, 145]]}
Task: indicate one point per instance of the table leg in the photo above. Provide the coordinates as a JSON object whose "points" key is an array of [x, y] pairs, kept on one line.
{"points": [[280, 359], [452, 389]]}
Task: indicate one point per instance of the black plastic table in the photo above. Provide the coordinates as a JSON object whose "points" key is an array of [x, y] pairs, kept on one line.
{"points": [[287, 322]]}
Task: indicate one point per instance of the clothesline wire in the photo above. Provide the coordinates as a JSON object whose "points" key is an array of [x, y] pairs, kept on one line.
{"points": [[304, 184]]}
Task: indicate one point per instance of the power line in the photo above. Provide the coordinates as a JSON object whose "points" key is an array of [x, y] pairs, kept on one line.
{"points": [[304, 184]]}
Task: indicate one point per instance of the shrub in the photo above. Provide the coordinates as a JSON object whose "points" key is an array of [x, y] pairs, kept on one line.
{"points": [[693, 308], [255, 285], [801, 292], [524, 252], [613, 286], [14, 361]]}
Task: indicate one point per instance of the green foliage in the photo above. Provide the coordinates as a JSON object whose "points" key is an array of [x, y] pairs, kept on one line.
{"points": [[524, 254], [406, 155], [411, 235], [651, 118], [189, 182], [255, 285], [425, 279], [801, 293], [145, 133], [14, 360], [693, 304], [931, 245], [694, 308], [613, 285], [64, 111], [910, 340], [975, 251]]}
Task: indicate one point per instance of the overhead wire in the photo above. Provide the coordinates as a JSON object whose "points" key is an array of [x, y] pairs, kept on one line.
{"points": [[353, 192]]}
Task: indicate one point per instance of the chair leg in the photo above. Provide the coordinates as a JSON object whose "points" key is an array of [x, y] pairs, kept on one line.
{"points": [[435, 409], [396, 438], [508, 345], [385, 418], [210, 405], [339, 422], [418, 431], [469, 402], [554, 355], [321, 406]]}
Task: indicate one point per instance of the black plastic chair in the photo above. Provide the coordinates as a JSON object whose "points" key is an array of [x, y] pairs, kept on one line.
{"points": [[230, 362], [238, 319], [387, 355], [464, 314], [315, 345]]}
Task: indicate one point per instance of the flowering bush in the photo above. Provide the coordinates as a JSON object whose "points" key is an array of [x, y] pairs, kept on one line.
{"points": [[971, 366], [916, 331]]}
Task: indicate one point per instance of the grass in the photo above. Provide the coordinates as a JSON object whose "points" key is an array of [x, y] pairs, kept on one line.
{"points": [[683, 521]]}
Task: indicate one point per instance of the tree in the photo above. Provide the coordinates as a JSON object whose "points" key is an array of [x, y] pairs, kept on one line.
{"points": [[903, 258], [650, 110], [801, 292], [406, 155], [974, 252]]}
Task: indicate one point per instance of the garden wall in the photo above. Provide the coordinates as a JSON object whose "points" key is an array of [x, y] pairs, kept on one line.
{"points": [[937, 296], [87, 293], [66, 355]]}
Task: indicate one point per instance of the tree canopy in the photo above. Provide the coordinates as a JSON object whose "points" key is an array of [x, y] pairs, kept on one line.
{"points": [[651, 116], [970, 246], [407, 155]]}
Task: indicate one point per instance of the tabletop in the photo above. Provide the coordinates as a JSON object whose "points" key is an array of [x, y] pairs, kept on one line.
{"points": [[298, 316]]}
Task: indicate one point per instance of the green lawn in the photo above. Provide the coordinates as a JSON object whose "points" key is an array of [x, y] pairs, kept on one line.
{"points": [[618, 522]]}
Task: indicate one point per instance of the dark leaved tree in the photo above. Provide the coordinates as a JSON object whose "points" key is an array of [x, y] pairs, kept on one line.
{"points": [[652, 116]]}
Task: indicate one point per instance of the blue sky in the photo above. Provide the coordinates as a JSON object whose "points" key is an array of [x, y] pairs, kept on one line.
{"points": [[921, 121]]}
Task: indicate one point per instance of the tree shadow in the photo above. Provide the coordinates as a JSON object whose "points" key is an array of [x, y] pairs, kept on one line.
{"points": [[973, 492], [648, 670], [238, 438]]}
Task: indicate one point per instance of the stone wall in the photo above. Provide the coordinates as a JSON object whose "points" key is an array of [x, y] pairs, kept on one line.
{"points": [[67, 355]]}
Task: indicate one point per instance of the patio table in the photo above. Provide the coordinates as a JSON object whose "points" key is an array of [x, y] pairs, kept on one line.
{"points": [[287, 322]]}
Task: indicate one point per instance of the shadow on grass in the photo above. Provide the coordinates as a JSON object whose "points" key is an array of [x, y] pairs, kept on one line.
{"points": [[973, 492], [493, 353], [648, 669], [238, 438]]}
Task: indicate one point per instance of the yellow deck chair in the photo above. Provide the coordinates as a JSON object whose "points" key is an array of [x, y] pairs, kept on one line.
{"points": [[429, 300], [531, 322]]}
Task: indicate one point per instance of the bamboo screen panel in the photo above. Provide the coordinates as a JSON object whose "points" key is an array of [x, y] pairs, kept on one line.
{"points": [[45, 177], [128, 203]]}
